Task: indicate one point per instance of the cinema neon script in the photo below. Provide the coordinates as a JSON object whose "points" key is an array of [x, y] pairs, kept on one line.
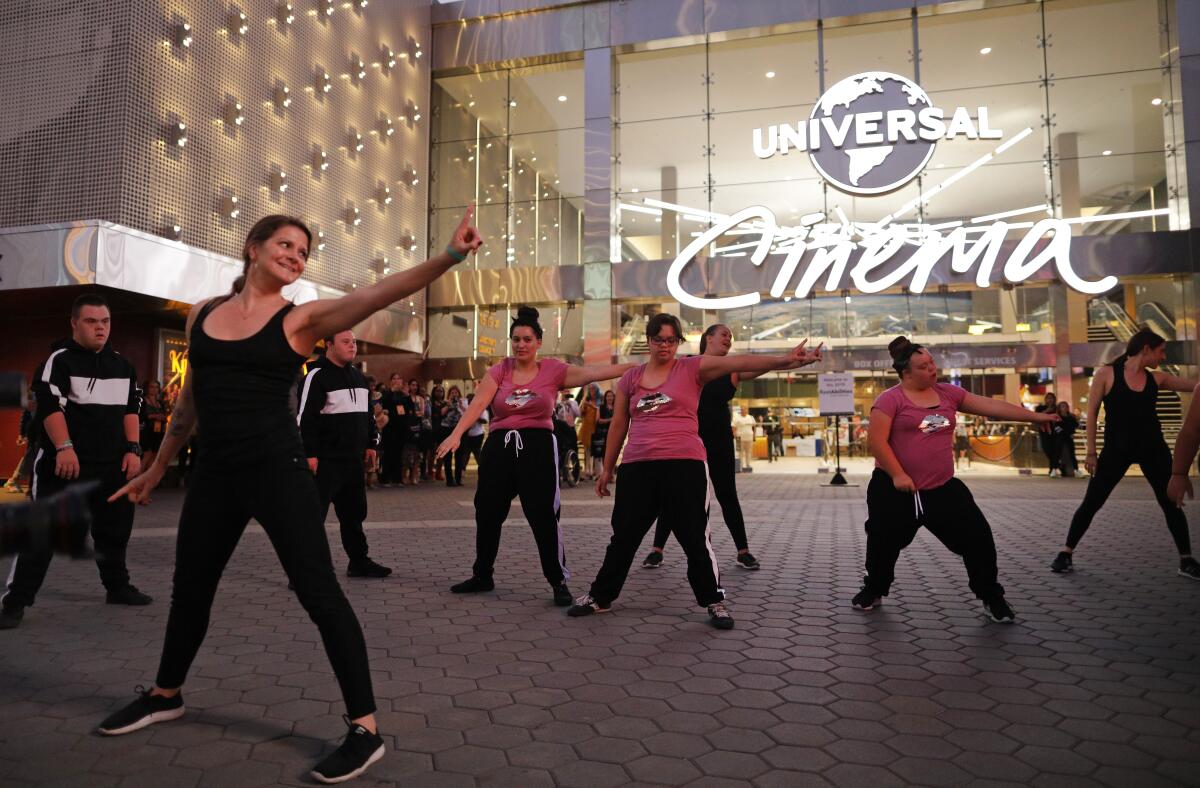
{"points": [[827, 249]]}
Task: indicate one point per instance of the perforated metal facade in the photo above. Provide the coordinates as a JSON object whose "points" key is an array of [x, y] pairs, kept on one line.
{"points": [[95, 91]]}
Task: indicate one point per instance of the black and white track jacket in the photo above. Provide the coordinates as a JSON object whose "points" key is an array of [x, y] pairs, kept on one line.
{"points": [[335, 418]]}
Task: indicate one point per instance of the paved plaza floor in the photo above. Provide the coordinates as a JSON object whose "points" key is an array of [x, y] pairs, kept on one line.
{"points": [[1098, 682]]}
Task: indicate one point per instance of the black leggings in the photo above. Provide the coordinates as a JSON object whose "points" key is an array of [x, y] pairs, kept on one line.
{"points": [[520, 463], [721, 472], [281, 495], [469, 446], [950, 514], [675, 492], [343, 483], [1110, 468]]}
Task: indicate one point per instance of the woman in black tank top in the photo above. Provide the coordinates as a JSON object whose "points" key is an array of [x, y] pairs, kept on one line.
{"points": [[1132, 433], [246, 349]]}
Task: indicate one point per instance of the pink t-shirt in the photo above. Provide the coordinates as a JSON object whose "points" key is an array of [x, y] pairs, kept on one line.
{"points": [[662, 420], [526, 405], [923, 438]]}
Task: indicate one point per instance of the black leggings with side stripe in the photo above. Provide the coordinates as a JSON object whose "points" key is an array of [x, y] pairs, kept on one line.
{"points": [[721, 467]]}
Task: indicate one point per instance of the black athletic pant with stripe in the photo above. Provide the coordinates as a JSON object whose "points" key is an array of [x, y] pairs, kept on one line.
{"points": [[112, 523], [281, 495], [674, 492], [519, 463], [721, 471], [343, 483]]}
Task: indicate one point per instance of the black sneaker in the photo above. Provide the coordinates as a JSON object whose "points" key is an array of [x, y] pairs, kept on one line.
{"points": [[473, 586], [1062, 563], [146, 710], [11, 615], [586, 606], [367, 568], [718, 616], [129, 595], [562, 595], [866, 599], [1188, 567], [999, 610], [653, 561], [359, 749], [747, 561]]}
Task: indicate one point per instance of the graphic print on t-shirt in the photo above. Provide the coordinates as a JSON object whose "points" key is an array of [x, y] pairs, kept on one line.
{"points": [[934, 422], [652, 402], [520, 398]]}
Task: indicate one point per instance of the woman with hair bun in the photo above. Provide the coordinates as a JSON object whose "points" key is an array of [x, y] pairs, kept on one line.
{"points": [[1132, 433], [520, 457], [912, 438]]}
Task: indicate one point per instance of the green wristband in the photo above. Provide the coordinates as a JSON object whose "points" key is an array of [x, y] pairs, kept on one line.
{"points": [[457, 257]]}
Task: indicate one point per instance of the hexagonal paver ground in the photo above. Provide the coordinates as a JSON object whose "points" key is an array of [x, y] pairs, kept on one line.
{"points": [[1097, 683]]}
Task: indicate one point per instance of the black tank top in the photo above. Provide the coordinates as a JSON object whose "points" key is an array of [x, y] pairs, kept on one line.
{"points": [[1130, 418], [242, 390], [713, 411]]}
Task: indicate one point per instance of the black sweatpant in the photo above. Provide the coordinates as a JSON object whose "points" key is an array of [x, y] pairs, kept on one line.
{"points": [[722, 471], [1049, 443], [520, 463], [950, 514], [675, 492], [343, 483], [469, 446], [391, 464], [280, 493], [1111, 466], [112, 523]]}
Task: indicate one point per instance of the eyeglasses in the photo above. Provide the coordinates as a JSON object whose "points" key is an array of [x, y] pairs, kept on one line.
{"points": [[665, 341]]}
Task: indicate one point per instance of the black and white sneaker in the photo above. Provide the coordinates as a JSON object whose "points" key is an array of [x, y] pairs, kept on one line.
{"points": [[654, 560], [367, 568], [146, 710], [562, 595], [1062, 563], [719, 617], [359, 750], [474, 585], [1189, 568], [999, 610], [586, 606], [866, 599], [747, 561]]}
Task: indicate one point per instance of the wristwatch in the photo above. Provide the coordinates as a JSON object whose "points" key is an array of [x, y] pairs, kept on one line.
{"points": [[133, 447]]}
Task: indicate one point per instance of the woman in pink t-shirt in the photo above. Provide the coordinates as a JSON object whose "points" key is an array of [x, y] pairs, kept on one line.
{"points": [[912, 438], [662, 475], [520, 457]]}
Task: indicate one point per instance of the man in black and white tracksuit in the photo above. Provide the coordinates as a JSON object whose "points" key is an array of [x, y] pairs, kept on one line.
{"points": [[339, 434], [87, 413]]}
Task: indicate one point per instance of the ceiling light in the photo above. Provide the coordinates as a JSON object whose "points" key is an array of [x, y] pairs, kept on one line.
{"points": [[1156, 101], [512, 103], [320, 240], [562, 98], [284, 14], [770, 75], [181, 35], [985, 51], [178, 134], [1105, 153]]}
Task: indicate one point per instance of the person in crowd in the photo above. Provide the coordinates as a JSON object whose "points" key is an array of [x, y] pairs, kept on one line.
{"points": [[588, 412], [662, 473], [912, 438], [452, 409], [438, 406], [380, 417], [339, 438], [962, 441], [775, 436], [520, 458], [1064, 434], [1128, 388], [27, 437], [1046, 437], [246, 348], [415, 420], [567, 410], [88, 402], [153, 421], [395, 435], [600, 435], [1187, 443], [743, 425], [471, 444], [713, 417]]}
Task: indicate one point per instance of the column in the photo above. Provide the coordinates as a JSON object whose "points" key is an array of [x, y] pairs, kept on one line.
{"points": [[599, 332]]}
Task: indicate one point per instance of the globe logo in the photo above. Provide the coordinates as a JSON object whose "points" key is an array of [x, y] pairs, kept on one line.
{"points": [[870, 142]]}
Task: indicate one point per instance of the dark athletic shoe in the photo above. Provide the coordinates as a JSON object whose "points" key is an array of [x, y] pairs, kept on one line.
{"points": [[473, 586], [653, 561], [866, 599], [586, 606], [359, 750], [718, 616], [1062, 563], [1189, 568], [562, 595], [747, 561], [10, 616], [129, 595], [146, 710], [367, 568], [999, 610]]}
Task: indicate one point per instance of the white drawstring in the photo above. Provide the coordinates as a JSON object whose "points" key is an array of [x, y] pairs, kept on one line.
{"points": [[918, 509], [518, 443]]}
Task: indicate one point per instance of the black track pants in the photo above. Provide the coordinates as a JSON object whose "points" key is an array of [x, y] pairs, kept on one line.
{"points": [[281, 494], [343, 483], [721, 467], [950, 514], [675, 492], [112, 523], [520, 463], [470, 446], [1111, 466]]}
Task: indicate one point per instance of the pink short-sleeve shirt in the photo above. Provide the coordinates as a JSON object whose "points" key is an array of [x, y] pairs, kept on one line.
{"points": [[662, 420], [923, 438], [526, 405]]}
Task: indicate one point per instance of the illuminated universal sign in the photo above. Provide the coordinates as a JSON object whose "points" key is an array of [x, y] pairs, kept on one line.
{"points": [[873, 132]]}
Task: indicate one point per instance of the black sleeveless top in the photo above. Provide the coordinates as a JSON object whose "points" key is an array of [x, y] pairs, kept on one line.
{"points": [[1130, 418], [713, 411], [242, 390]]}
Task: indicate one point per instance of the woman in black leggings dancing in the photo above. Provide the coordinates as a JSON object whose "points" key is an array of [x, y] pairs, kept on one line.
{"points": [[1132, 433], [717, 434], [246, 349]]}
